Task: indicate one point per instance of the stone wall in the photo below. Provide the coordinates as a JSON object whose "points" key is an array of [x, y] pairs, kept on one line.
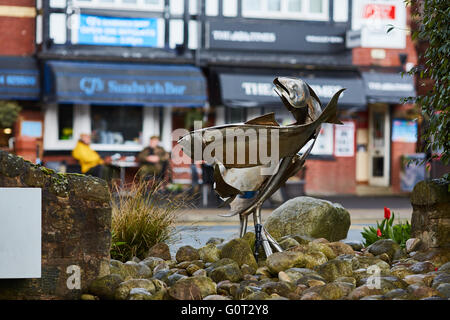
{"points": [[76, 223], [430, 219]]}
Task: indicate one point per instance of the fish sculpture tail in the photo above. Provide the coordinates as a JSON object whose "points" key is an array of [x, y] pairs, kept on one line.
{"points": [[329, 114]]}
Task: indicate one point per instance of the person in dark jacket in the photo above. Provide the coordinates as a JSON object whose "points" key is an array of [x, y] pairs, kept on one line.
{"points": [[153, 160]]}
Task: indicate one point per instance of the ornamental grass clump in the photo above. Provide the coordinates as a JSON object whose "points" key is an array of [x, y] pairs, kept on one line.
{"points": [[387, 230], [143, 214]]}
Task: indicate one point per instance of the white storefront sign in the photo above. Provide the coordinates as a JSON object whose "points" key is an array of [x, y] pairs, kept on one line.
{"points": [[344, 144], [20, 233], [374, 18]]}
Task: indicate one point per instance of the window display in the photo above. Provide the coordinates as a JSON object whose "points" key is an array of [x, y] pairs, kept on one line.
{"points": [[286, 9], [65, 122], [116, 125]]}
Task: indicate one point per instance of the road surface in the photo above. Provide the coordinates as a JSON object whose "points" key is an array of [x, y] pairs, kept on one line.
{"points": [[197, 226]]}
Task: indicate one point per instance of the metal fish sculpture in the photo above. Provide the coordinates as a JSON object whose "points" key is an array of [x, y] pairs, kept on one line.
{"points": [[240, 168]]}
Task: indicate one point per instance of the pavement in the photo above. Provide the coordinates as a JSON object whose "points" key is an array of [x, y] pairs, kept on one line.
{"points": [[197, 225], [360, 208]]}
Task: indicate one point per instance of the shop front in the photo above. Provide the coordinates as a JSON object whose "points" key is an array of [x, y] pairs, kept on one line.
{"points": [[391, 129], [244, 94], [120, 105], [19, 96]]}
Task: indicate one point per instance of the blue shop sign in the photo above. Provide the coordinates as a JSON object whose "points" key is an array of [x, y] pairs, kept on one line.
{"points": [[19, 78], [112, 31], [91, 86], [125, 84]]}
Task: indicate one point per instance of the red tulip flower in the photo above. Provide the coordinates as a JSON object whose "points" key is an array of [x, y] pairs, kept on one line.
{"points": [[387, 213], [379, 232]]}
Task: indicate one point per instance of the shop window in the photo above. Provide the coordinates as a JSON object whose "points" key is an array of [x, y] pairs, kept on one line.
{"points": [[230, 8], [176, 7], [378, 132], [151, 5], [251, 5], [212, 8], [58, 3], [65, 122], [286, 9], [316, 6], [340, 10], [378, 166], [295, 5], [116, 125], [58, 28], [193, 6], [274, 5]]}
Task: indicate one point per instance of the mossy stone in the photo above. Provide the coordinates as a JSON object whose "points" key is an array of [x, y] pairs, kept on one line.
{"points": [[239, 250]]}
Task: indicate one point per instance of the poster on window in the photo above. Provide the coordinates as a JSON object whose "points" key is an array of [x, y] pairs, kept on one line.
{"points": [[373, 18], [412, 171], [112, 31], [344, 143], [404, 131]]}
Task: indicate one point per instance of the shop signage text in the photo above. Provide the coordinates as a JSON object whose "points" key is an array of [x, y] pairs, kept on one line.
{"points": [[124, 83], [239, 88], [98, 30], [271, 36], [390, 86], [266, 89], [92, 85], [18, 80]]}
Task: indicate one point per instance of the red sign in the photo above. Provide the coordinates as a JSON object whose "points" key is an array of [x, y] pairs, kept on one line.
{"points": [[379, 11]]}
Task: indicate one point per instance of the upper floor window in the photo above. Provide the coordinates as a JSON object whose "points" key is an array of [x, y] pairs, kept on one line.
{"points": [[151, 5], [286, 9]]}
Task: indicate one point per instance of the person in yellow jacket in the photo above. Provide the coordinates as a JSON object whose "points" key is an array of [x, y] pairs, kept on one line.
{"points": [[90, 161]]}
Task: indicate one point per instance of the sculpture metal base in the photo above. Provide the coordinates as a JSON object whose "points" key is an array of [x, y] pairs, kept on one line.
{"points": [[262, 237]]}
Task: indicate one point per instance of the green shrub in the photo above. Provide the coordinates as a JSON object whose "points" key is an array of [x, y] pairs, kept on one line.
{"points": [[387, 230], [9, 111], [143, 214]]}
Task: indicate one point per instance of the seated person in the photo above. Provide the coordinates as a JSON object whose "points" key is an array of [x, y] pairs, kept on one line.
{"points": [[90, 161], [153, 160]]}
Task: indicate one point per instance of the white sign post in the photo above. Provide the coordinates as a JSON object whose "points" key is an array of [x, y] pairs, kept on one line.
{"points": [[20, 233]]}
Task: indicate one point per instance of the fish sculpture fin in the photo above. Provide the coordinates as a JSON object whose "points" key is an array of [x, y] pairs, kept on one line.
{"points": [[329, 114], [227, 201], [267, 119], [231, 214], [313, 94], [222, 188]]}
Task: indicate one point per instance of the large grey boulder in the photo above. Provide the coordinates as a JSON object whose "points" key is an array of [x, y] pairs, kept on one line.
{"points": [[309, 216]]}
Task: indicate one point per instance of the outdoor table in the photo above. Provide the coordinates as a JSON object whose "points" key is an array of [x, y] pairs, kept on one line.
{"points": [[122, 165]]}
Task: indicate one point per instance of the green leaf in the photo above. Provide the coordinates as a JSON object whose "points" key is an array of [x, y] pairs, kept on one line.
{"points": [[391, 220], [391, 27], [382, 226]]}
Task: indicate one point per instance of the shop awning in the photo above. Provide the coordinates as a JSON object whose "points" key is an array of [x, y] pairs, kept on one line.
{"points": [[256, 90], [19, 78], [124, 84], [388, 87]]}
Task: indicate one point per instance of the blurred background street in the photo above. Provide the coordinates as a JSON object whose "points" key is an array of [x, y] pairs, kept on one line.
{"points": [[197, 226]]}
